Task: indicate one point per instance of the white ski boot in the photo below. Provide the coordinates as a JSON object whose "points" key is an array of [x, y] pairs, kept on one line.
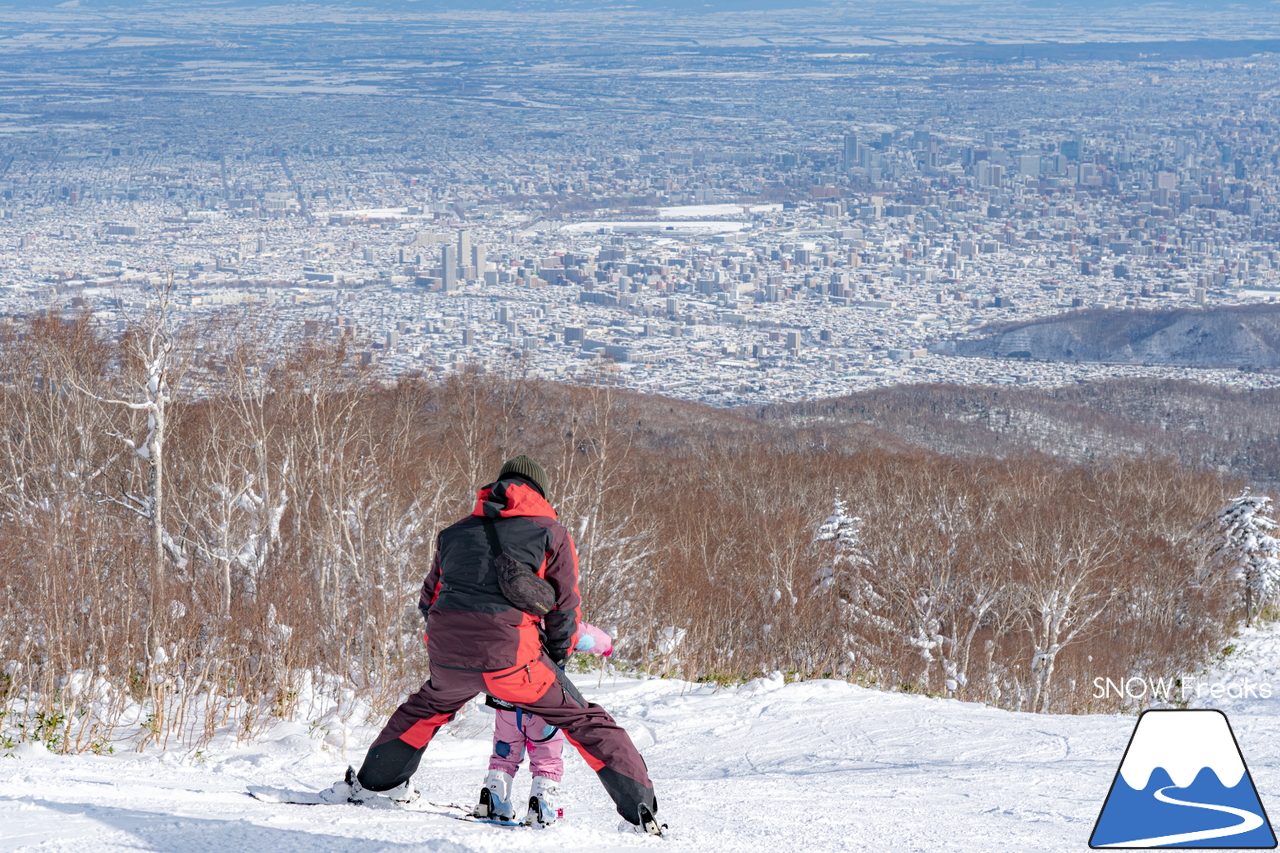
{"points": [[495, 798], [349, 790], [647, 823], [403, 794], [544, 803]]}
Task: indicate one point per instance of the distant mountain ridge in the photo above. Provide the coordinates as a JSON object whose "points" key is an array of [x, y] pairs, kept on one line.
{"points": [[1233, 336]]}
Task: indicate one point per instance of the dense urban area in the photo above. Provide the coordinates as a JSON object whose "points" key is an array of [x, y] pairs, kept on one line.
{"points": [[813, 223]]}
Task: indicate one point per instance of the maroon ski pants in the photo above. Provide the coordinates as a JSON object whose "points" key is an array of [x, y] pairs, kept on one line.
{"points": [[604, 744]]}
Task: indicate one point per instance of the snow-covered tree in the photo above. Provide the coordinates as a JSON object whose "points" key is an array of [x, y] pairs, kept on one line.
{"points": [[843, 572], [844, 532], [1243, 546]]}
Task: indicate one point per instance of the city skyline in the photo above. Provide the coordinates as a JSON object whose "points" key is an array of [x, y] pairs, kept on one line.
{"points": [[709, 216]]}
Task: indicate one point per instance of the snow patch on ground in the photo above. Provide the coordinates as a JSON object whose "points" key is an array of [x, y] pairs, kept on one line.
{"points": [[819, 765], [1247, 680]]}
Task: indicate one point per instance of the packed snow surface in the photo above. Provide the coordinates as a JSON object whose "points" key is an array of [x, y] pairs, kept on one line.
{"points": [[812, 766]]}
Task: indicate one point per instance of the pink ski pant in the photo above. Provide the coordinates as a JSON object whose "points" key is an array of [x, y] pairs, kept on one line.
{"points": [[543, 741]]}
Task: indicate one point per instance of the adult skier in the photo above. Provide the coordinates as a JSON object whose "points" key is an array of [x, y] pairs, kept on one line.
{"points": [[515, 733], [478, 641]]}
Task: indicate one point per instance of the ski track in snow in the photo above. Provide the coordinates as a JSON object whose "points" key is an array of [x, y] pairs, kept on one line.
{"points": [[785, 768]]}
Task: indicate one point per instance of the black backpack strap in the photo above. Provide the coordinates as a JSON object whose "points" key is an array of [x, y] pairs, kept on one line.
{"points": [[491, 533], [519, 584]]}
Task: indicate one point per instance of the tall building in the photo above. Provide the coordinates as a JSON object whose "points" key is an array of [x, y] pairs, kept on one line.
{"points": [[1073, 148], [850, 150], [478, 259], [449, 267], [464, 247]]}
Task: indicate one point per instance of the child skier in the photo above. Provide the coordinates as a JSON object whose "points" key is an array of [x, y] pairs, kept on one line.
{"points": [[515, 732]]}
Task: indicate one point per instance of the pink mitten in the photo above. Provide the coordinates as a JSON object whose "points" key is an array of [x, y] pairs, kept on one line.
{"points": [[593, 641]]}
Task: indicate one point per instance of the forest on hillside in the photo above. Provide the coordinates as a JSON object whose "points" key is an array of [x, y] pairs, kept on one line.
{"points": [[196, 524], [1231, 431]]}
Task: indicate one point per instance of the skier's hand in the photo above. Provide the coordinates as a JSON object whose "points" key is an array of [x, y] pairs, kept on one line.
{"points": [[593, 641]]}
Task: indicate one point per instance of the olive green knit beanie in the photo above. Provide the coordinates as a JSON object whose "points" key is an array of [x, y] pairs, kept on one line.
{"points": [[526, 467]]}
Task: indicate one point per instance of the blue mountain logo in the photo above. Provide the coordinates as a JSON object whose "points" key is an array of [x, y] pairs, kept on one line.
{"points": [[1183, 783]]}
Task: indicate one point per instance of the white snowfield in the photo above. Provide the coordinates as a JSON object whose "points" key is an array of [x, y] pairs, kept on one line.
{"points": [[814, 766]]}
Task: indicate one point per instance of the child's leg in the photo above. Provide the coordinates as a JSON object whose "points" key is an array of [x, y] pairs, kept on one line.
{"points": [[508, 743], [545, 743]]}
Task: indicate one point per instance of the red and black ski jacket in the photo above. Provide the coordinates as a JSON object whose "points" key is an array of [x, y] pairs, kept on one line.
{"points": [[470, 624]]}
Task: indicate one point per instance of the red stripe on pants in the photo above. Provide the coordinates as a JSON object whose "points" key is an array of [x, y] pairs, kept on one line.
{"points": [[592, 762], [421, 732]]}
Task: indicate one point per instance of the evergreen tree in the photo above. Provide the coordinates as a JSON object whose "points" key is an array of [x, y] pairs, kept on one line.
{"points": [[1243, 546], [843, 530]]}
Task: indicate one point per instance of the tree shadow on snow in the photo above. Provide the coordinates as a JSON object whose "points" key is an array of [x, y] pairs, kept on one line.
{"points": [[168, 833]]}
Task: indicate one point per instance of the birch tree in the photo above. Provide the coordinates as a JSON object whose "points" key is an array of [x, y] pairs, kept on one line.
{"points": [[151, 352], [1063, 565]]}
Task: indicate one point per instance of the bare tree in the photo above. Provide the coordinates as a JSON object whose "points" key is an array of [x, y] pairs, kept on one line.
{"points": [[151, 352], [1065, 568]]}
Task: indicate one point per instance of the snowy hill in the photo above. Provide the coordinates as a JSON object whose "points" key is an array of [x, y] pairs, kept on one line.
{"points": [[815, 766], [1231, 336]]}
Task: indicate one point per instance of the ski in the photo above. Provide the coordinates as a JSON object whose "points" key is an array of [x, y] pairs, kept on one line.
{"points": [[286, 796], [506, 824]]}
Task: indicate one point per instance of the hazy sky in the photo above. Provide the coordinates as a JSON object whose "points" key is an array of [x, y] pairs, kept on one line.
{"points": [[915, 7]]}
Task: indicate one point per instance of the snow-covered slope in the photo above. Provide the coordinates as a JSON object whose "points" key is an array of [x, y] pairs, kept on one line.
{"points": [[1237, 335], [816, 766]]}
